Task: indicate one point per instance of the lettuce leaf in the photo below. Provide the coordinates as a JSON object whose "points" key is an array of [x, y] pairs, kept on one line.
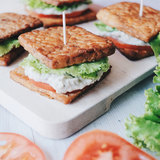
{"points": [[145, 130], [88, 70], [155, 44], [156, 78], [103, 27], [8, 45], [146, 133], [40, 4], [152, 104]]}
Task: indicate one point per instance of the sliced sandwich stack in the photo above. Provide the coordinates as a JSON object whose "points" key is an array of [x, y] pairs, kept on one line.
{"points": [[11, 26], [50, 11], [130, 32], [60, 71]]}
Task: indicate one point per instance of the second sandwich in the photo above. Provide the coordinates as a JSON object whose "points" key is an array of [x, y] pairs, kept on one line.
{"points": [[60, 71], [130, 33], [50, 11]]}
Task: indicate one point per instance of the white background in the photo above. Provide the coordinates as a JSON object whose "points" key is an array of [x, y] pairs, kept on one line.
{"points": [[130, 102]]}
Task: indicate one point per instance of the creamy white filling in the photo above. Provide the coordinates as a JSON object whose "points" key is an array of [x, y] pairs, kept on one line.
{"points": [[127, 39], [61, 83], [53, 11]]}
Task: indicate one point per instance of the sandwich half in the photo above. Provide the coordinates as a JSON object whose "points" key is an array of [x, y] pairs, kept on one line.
{"points": [[11, 26], [50, 11], [130, 33], [59, 71]]}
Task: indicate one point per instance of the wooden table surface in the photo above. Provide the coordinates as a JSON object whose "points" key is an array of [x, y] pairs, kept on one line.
{"points": [[131, 101]]}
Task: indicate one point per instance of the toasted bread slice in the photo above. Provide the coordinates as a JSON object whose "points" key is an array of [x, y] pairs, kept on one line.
{"points": [[19, 76], [88, 15], [61, 2], [12, 24], [82, 46], [11, 56], [125, 17], [132, 52]]}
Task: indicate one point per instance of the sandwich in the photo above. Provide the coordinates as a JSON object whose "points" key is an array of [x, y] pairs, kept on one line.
{"points": [[130, 33], [50, 11], [11, 26], [63, 72]]}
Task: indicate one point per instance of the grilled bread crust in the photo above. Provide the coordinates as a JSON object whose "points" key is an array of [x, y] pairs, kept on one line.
{"points": [[12, 25], [8, 58], [82, 46], [61, 2], [86, 16], [19, 76], [125, 17]]}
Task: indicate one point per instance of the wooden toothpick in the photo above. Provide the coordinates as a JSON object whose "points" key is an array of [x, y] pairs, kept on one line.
{"points": [[141, 9], [64, 28]]}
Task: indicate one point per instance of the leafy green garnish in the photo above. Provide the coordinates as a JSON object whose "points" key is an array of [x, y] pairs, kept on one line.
{"points": [[146, 129], [156, 78], [73, 6], [146, 133], [37, 4], [103, 27], [152, 104], [34, 4], [88, 70], [155, 44], [8, 45]]}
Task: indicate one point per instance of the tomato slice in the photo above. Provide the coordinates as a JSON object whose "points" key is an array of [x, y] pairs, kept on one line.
{"points": [[120, 44], [42, 85], [47, 86], [17, 147], [102, 145]]}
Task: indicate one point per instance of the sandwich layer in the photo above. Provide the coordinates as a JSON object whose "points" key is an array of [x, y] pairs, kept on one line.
{"points": [[39, 4], [60, 83], [11, 56], [82, 46], [132, 52], [107, 31], [53, 12], [67, 79], [62, 2], [136, 54], [7, 45], [88, 15], [131, 47], [12, 24], [19, 76], [124, 16]]}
